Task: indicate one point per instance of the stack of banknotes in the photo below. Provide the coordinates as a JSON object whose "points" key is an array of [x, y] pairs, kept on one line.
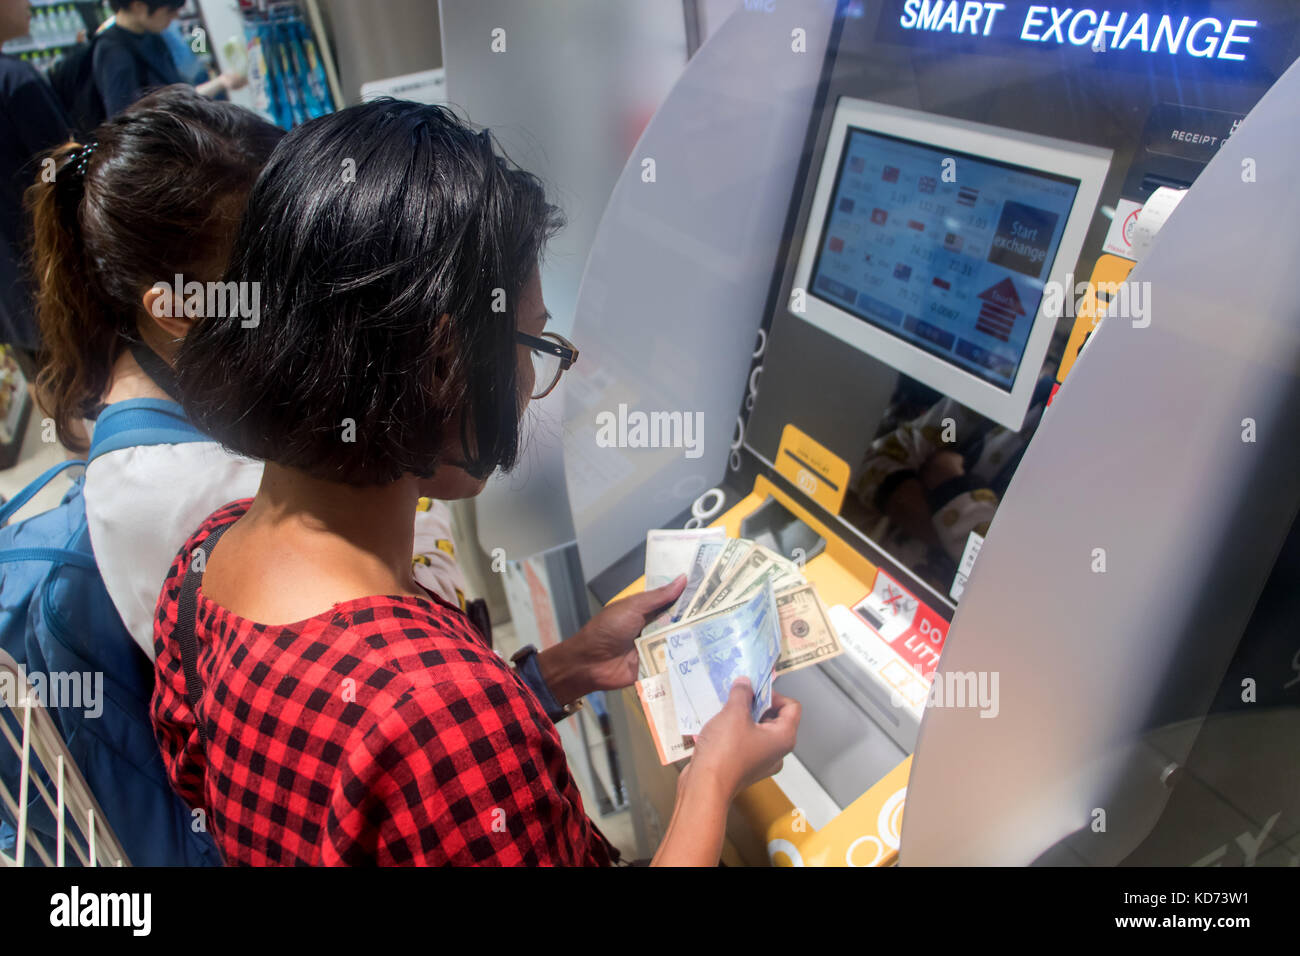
{"points": [[746, 612]]}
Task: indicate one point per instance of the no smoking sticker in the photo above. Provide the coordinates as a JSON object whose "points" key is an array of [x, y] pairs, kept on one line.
{"points": [[915, 632], [889, 609]]}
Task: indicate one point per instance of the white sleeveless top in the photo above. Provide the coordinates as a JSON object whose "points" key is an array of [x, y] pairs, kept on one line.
{"points": [[143, 503]]}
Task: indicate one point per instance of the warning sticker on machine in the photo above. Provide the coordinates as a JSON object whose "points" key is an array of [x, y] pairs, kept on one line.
{"points": [[882, 665], [913, 630]]}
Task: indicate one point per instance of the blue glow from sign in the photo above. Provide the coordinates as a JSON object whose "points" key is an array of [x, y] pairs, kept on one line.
{"points": [[1101, 29]]}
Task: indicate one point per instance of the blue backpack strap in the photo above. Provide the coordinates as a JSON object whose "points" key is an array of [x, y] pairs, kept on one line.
{"points": [[142, 421], [12, 506], [138, 421], [49, 556]]}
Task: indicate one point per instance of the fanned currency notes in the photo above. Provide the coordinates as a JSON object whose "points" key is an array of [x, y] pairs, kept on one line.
{"points": [[757, 571], [733, 554], [705, 556], [755, 562], [745, 610], [744, 642], [707, 655]]}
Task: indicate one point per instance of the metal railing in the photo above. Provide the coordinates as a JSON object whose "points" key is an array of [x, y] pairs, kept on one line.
{"points": [[49, 776]]}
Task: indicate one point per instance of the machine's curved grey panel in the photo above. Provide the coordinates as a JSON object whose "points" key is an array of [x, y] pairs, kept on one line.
{"points": [[674, 290], [1141, 463], [566, 99]]}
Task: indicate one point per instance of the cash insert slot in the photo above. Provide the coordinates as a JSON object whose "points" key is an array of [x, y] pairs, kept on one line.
{"points": [[776, 529]]}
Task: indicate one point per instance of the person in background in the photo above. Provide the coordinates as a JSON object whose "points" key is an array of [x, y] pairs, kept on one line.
{"points": [[158, 195], [188, 64], [131, 56], [31, 122], [939, 475], [321, 707]]}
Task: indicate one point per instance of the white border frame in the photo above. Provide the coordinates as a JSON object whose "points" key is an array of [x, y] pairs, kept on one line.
{"points": [[1088, 164]]}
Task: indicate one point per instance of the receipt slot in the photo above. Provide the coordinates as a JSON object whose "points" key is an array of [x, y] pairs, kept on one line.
{"points": [[960, 337]]}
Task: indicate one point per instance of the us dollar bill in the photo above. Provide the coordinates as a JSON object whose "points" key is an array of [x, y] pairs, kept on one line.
{"points": [[758, 571], [735, 551], [652, 652], [779, 559], [705, 557], [745, 570], [807, 635]]}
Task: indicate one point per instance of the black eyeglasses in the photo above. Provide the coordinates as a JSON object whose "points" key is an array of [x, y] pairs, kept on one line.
{"points": [[553, 355]]}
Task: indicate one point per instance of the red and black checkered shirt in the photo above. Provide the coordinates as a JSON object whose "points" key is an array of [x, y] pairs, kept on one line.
{"points": [[382, 731]]}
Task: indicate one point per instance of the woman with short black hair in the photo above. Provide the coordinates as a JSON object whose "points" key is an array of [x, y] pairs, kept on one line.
{"points": [[334, 711]]}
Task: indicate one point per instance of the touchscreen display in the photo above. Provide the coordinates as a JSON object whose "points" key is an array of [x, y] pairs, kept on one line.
{"points": [[945, 250]]}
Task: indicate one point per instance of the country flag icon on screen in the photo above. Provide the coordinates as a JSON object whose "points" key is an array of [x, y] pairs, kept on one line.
{"points": [[836, 244], [967, 196], [879, 217], [1001, 308], [927, 184], [890, 175], [857, 164]]}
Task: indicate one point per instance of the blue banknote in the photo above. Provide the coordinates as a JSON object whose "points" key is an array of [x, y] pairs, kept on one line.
{"points": [[708, 655]]}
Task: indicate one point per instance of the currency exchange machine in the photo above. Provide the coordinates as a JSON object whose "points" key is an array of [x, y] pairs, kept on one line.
{"points": [[1063, 604]]}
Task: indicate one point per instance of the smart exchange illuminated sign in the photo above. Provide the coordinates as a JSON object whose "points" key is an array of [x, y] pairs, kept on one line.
{"points": [[1099, 28]]}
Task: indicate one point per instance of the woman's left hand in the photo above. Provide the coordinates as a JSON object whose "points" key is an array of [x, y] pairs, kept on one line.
{"points": [[602, 656]]}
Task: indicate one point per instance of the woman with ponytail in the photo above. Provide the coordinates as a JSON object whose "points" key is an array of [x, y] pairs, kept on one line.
{"points": [[158, 192], [152, 200]]}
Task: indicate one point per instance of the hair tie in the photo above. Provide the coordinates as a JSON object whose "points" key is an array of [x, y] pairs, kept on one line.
{"points": [[79, 161]]}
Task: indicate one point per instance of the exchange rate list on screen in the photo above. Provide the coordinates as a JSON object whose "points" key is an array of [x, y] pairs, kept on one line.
{"points": [[945, 250]]}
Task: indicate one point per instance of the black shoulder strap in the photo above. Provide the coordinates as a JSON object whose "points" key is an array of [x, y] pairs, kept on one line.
{"points": [[187, 607], [156, 368]]}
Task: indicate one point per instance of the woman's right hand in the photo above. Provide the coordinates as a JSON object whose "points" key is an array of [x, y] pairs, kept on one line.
{"points": [[731, 752], [735, 751]]}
